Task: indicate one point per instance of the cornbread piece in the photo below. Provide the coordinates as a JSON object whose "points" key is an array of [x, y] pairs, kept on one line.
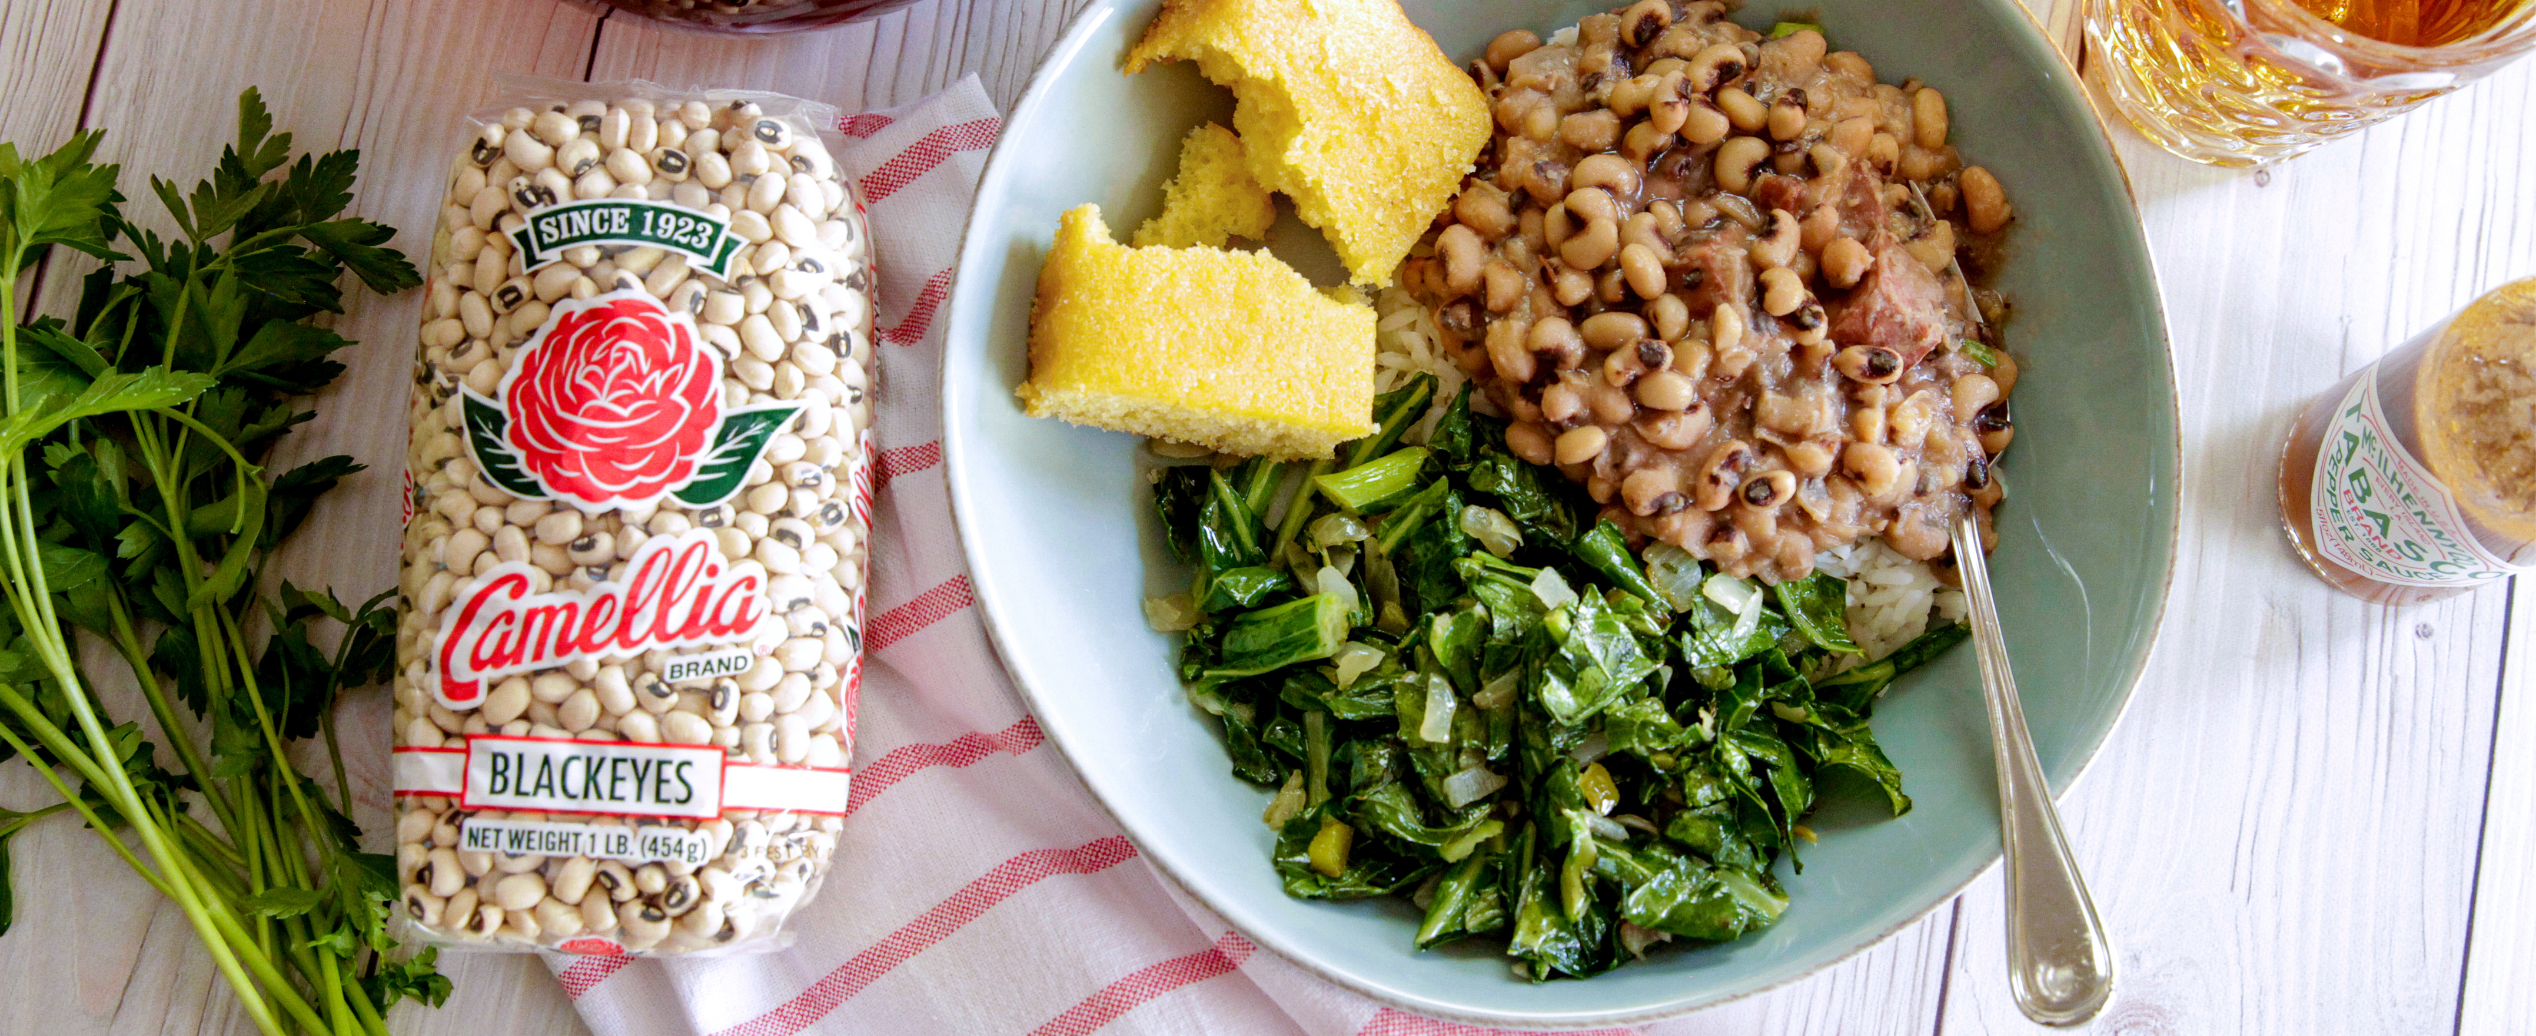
{"points": [[1232, 350], [1343, 106], [1212, 199]]}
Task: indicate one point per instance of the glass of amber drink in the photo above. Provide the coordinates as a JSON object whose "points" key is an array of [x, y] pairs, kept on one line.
{"points": [[2415, 478], [2249, 82]]}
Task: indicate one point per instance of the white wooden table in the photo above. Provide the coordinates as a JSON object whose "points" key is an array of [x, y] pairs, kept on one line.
{"points": [[2319, 816]]}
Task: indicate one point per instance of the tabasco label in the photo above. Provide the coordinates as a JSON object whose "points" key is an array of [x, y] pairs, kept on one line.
{"points": [[2381, 513], [679, 592]]}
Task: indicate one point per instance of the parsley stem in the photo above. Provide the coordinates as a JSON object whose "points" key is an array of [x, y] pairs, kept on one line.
{"points": [[128, 644]]}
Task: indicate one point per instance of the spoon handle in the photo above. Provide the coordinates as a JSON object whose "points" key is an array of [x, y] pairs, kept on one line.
{"points": [[2058, 957]]}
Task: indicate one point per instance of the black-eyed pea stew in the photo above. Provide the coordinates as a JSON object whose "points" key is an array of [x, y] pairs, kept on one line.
{"points": [[1719, 280]]}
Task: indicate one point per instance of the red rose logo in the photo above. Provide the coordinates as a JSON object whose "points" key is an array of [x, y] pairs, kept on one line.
{"points": [[614, 401]]}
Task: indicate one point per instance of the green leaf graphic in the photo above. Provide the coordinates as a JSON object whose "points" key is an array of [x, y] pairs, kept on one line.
{"points": [[743, 435], [502, 467]]}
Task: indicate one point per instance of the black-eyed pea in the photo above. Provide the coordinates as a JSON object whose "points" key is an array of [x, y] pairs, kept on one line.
{"points": [[1780, 245], [580, 711], [1971, 393], [1602, 332], [1482, 207], [1665, 390], [1644, 270], [1912, 417], [1643, 140], [1609, 403], [1935, 247], [705, 924], [1828, 161], [711, 170], [1716, 65], [1873, 465], [1871, 364], [1721, 474], [750, 158], [507, 701], [1592, 246], [640, 726], [1810, 325], [1884, 151], [1612, 286], [577, 157], [551, 920], [1986, 206], [488, 920], [1736, 160], [1995, 428], [1595, 129], [510, 544], [1845, 261], [598, 915], [1561, 402], [1768, 489], [685, 728], [441, 873], [644, 927], [1529, 441], [765, 193], [1742, 111], [791, 532], [1502, 285], [1583, 205], [1928, 118], [422, 906], [462, 546], [551, 687], [1781, 291], [414, 826], [1609, 172], [1621, 366], [1508, 46], [525, 151], [1786, 120], [614, 691], [1922, 164], [2005, 372], [1670, 315], [486, 146], [1852, 136], [1810, 458], [1571, 287]]}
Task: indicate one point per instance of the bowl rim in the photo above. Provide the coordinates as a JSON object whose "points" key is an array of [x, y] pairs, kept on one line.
{"points": [[2028, 34]]}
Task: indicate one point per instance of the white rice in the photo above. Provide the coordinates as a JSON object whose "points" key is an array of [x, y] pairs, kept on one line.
{"points": [[1890, 596], [1407, 345]]}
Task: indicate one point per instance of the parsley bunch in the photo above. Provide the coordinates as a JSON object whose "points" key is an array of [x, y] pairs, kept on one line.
{"points": [[135, 505]]}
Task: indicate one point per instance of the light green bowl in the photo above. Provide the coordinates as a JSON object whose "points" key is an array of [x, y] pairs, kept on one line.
{"points": [[1062, 549]]}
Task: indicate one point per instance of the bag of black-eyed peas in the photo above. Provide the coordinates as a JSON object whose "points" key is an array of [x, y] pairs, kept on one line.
{"points": [[639, 481]]}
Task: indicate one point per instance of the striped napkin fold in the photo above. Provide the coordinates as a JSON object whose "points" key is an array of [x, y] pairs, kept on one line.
{"points": [[977, 888]]}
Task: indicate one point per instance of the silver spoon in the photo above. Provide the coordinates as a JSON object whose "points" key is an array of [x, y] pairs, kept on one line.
{"points": [[2058, 958]]}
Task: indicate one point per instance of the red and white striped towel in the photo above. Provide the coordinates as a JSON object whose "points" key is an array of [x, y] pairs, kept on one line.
{"points": [[977, 889]]}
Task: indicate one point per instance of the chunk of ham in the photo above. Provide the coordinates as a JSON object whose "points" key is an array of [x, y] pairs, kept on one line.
{"points": [[1898, 305]]}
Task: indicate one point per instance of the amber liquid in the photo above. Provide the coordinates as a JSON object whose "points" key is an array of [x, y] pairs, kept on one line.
{"points": [[2414, 23], [2243, 89]]}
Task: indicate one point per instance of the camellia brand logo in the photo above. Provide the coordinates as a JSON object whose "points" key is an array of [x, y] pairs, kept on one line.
{"points": [[678, 592], [616, 403]]}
